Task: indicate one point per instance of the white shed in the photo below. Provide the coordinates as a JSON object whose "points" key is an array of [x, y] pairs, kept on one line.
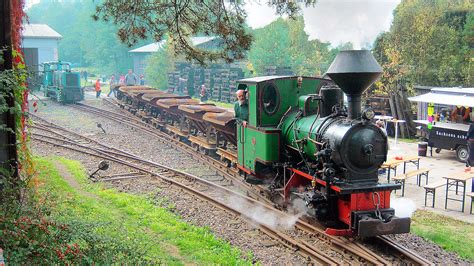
{"points": [[141, 54], [39, 44]]}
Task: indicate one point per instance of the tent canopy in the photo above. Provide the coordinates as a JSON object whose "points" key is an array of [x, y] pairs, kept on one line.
{"points": [[447, 96]]}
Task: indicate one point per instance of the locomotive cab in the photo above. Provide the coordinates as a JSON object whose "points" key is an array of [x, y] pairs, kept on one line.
{"points": [[270, 99]]}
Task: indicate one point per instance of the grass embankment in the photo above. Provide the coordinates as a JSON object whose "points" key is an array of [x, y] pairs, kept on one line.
{"points": [[106, 226], [450, 234]]}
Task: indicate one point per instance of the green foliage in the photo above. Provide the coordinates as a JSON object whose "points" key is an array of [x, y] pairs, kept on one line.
{"points": [[12, 94], [269, 46], [285, 43], [158, 65], [75, 222], [429, 43], [85, 42], [450, 234]]}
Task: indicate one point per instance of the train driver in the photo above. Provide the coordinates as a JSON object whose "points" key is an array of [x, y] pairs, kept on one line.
{"points": [[241, 107]]}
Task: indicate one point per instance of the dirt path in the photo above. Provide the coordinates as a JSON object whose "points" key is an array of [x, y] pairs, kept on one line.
{"points": [[64, 172]]}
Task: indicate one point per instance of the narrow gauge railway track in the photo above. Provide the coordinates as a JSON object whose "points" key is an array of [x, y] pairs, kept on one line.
{"points": [[136, 123], [401, 254], [322, 253]]}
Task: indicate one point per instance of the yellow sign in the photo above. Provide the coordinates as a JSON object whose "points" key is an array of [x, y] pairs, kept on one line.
{"points": [[430, 109]]}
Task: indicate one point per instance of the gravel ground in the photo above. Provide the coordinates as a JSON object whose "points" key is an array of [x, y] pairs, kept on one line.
{"points": [[429, 250], [224, 225]]}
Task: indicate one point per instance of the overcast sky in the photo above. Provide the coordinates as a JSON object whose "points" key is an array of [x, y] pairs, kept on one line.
{"points": [[335, 21]]}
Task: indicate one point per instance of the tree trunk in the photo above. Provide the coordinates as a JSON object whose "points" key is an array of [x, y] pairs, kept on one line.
{"points": [[8, 150], [401, 115], [408, 113], [391, 100]]}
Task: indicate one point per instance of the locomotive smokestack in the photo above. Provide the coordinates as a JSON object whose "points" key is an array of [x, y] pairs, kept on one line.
{"points": [[354, 71]]}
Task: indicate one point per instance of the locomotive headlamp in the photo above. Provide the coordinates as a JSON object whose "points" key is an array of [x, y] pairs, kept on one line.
{"points": [[299, 81], [368, 114]]}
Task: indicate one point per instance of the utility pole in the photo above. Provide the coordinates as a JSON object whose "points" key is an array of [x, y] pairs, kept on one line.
{"points": [[8, 149]]}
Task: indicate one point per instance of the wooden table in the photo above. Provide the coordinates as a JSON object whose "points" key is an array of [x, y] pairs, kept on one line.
{"points": [[411, 159], [458, 180], [393, 163]]}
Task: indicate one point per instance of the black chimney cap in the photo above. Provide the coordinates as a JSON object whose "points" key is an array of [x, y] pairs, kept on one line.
{"points": [[354, 71]]}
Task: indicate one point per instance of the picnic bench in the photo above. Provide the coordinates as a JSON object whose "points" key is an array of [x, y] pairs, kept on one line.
{"points": [[458, 180], [471, 195], [393, 163], [431, 189], [390, 165], [419, 173], [411, 159]]}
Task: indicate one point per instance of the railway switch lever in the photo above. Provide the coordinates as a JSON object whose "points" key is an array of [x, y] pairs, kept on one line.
{"points": [[103, 165], [99, 125]]}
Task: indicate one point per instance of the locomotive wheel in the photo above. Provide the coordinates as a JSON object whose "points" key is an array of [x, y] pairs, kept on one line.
{"points": [[462, 153]]}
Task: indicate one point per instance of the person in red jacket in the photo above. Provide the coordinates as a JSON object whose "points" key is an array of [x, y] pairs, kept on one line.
{"points": [[97, 88]]}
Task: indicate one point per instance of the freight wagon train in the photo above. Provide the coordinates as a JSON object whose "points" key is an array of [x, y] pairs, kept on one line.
{"points": [[299, 141]]}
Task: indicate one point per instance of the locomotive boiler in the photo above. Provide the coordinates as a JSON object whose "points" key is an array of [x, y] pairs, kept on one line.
{"points": [[300, 141], [303, 142]]}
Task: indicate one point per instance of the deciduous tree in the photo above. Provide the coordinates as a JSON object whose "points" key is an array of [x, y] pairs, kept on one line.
{"points": [[284, 43]]}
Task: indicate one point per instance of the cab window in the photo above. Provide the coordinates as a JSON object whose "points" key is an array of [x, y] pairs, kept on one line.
{"points": [[270, 99]]}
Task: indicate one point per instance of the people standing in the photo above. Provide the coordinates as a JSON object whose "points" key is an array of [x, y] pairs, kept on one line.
{"points": [[131, 79], [97, 88], [112, 83], [122, 79], [203, 93], [181, 85], [142, 80], [460, 114]]}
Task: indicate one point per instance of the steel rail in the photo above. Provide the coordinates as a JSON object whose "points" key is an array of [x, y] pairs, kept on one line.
{"points": [[416, 258], [340, 242], [165, 138], [300, 246]]}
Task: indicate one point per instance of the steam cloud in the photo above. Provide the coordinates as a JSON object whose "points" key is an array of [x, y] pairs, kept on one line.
{"points": [[403, 207], [261, 215]]}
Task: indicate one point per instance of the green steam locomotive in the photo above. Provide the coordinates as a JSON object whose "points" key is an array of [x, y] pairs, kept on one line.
{"points": [[60, 83], [302, 141], [298, 143]]}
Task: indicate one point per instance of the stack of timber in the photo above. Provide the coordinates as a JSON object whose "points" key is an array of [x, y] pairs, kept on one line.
{"points": [[278, 71], [219, 79]]}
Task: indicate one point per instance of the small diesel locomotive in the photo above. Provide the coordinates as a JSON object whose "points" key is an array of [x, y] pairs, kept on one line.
{"points": [[60, 83], [309, 145], [300, 141]]}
